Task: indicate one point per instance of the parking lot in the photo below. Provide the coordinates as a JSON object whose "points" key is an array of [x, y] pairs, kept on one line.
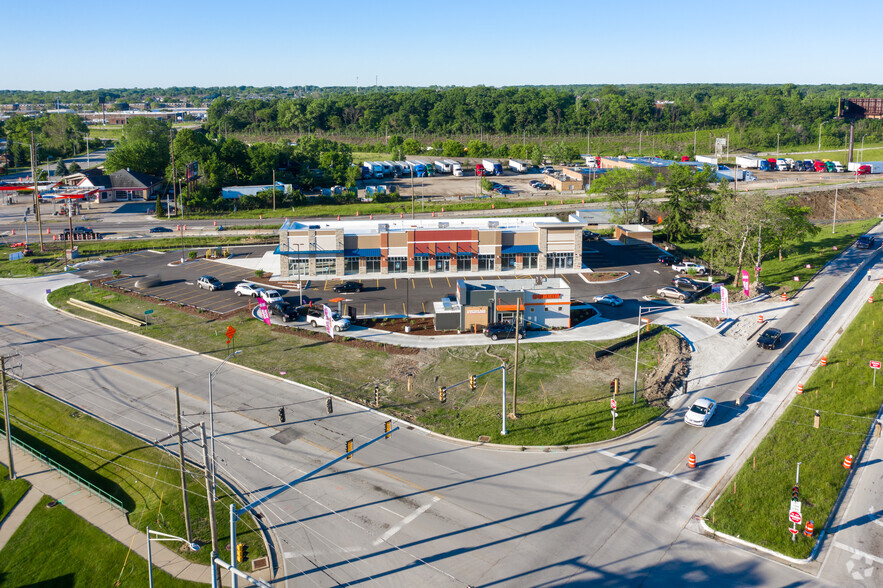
{"points": [[393, 295]]}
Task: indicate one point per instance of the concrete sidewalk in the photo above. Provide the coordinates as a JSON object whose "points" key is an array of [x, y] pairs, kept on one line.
{"points": [[45, 480]]}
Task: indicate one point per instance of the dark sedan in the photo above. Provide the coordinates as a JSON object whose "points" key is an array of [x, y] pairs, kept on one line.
{"points": [[770, 339], [502, 330], [669, 259], [689, 284], [283, 310], [160, 230], [349, 287]]}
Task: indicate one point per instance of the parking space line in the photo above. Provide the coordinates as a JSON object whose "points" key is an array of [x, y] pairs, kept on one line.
{"points": [[563, 277], [395, 284], [430, 283], [449, 282]]}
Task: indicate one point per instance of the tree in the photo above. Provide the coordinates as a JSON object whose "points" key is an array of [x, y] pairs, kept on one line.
{"points": [[143, 147], [61, 169], [626, 190], [477, 148], [73, 168], [412, 147], [789, 224], [688, 192], [730, 231], [452, 148]]}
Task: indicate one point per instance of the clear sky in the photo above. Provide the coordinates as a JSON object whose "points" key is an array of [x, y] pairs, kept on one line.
{"points": [[54, 45]]}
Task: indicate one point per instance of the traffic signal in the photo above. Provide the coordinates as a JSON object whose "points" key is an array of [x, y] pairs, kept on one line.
{"points": [[616, 385], [795, 493], [613, 387], [472, 382], [328, 406], [282, 415], [442, 394], [241, 552], [349, 447], [387, 427]]}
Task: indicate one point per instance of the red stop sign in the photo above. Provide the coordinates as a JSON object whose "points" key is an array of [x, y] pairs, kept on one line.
{"points": [[613, 403], [875, 365], [794, 516]]}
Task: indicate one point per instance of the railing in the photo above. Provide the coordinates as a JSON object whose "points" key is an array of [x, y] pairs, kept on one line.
{"points": [[102, 495]]}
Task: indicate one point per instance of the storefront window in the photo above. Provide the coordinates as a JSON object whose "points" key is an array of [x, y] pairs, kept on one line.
{"points": [[507, 261], [326, 266], [442, 264], [397, 265], [372, 265], [485, 263], [464, 263], [421, 264], [560, 260], [351, 265], [298, 266], [529, 261]]}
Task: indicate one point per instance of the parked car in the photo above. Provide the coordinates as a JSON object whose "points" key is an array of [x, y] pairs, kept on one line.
{"points": [[269, 296], [316, 317], [590, 236], [672, 292], [689, 267], [283, 310], [797, 166], [502, 330], [246, 289], [160, 230], [209, 283], [683, 283], [503, 190], [534, 183], [865, 242], [349, 287], [669, 259], [607, 299], [700, 412], [769, 339]]}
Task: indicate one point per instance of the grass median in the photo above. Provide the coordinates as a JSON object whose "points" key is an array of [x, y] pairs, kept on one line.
{"points": [[754, 506], [802, 260], [146, 480], [563, 390], [11, 491], [55, 547]]}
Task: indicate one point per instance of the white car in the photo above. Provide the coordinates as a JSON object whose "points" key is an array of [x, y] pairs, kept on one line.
{"points": [[689, 267], [270, 296], [608, 299], [700, 413], [246, 289], [316, 317]]}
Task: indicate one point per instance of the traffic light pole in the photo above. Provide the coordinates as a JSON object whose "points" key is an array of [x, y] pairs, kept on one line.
{"points": [[236, 513], [472, 379]]}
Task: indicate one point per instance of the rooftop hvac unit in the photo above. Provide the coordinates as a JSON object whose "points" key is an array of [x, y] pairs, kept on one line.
{"points": [[493, 224], [443, 225], [383, 227], [538, 280]]}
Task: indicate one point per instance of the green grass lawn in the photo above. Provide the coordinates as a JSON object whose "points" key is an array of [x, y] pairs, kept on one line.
{"points": [[816, 251], [754, 506], [55, 547], [11, 491], [871, 153], [145, 479], [559, 383]]}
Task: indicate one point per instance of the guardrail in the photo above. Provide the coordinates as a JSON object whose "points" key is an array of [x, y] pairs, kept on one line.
{"points": [[106, 312], [81, 483]]}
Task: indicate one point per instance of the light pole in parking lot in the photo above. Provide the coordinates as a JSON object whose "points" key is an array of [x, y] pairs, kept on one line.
{"points": [[211, 412]]}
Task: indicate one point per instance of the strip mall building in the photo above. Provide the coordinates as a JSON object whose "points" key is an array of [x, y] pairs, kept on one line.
{"points": [[456, 246]]}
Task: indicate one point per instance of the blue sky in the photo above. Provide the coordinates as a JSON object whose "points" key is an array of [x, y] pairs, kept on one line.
{"points": [[53, 45]]}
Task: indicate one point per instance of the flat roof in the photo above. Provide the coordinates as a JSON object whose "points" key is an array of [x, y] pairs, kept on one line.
{"points": [[372, 227], [517, 285]]}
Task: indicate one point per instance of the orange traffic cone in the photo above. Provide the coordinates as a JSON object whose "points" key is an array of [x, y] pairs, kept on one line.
{"points": [[800, 388], [760, 318], [691, 462], [824, 360], [847, 462], [808, 529], [870, 300], [784, 297]]}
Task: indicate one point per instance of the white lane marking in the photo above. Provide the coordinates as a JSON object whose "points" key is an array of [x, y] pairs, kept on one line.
{"points": [[393, 530], [854, 551], [392, 512], [650, 468], [636, 271], [655, 271]]}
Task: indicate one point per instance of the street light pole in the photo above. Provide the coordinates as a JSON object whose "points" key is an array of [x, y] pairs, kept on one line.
{"points": [[162, 537], [211, 412]]}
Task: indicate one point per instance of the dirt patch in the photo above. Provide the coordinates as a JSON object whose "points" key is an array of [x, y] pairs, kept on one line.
{"points": [[853, 203], [671, 369], [604, 276], [708, 320], [419, 326]]}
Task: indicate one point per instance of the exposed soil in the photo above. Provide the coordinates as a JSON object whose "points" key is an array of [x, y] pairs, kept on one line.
{"points": [[670, 371], [603, 276], [853, 203], [708, 320], [419, 326]]}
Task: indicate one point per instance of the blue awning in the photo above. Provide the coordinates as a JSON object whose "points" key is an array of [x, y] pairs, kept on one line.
{"points": [[521, 249], [422, 255], [361, 252], [442, 253], [309, 252], [464, 254]]}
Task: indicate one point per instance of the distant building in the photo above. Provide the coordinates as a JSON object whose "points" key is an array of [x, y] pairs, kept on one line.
{"points": [[236, 192], [121, 185]]}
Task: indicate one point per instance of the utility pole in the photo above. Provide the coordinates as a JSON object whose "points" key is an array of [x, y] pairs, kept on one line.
{"points": [[183, 471], [6, 415], [36, 191], [213, 525], [514, 414]]}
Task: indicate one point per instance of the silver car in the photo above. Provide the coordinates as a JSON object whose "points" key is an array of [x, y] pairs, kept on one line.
{"points": [[700, 412]]}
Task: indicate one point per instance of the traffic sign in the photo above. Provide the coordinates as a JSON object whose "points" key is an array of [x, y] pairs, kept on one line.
{"points": [[794, 517], [613, 403], [793, 530], [614, 414], [148, 311], [875, 365]]}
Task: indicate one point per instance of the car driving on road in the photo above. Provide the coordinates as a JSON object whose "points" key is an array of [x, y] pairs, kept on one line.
{"points": [[269, 295], [283, 310], [769, 339], [160, 230], [668, 259], [865, 242], [607, 299], [700, 412], [209, 283], [246, 289], [502, 330]]}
